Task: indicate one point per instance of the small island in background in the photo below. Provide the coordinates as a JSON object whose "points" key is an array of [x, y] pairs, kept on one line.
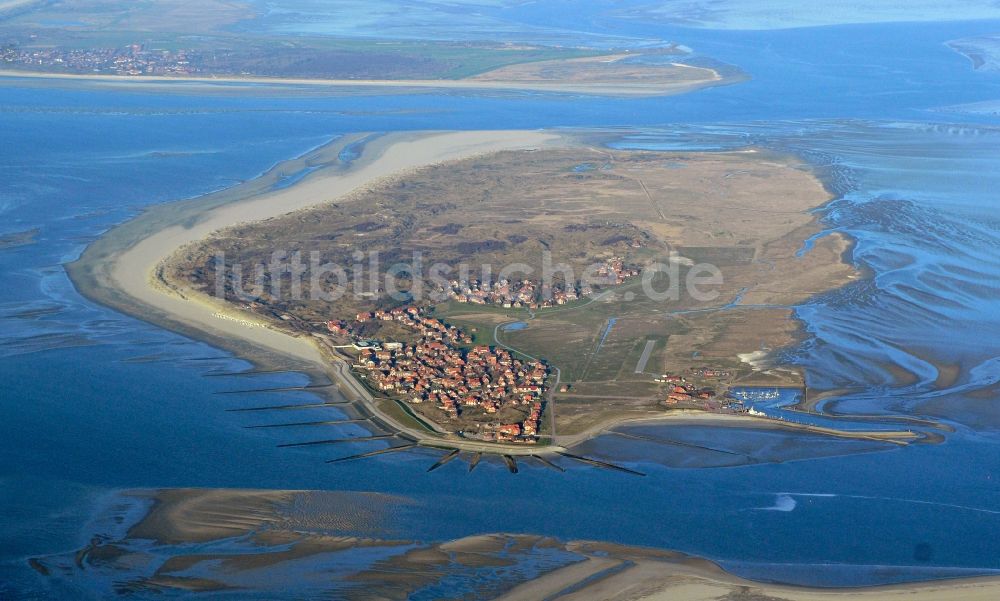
{"points": [[217, 41]]}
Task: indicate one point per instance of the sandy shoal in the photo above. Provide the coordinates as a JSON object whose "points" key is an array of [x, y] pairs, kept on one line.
{"points": [[622, 572], [317, 522]]}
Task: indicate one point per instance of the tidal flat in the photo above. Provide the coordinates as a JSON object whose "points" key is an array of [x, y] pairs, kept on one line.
{"points": [[234, 543]]}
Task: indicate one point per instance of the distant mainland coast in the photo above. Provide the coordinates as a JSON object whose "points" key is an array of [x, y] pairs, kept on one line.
{"points": [[606, 75]]}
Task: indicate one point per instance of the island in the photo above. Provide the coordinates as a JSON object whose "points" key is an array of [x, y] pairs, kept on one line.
{"points": [[224, 43], [506, 365]]}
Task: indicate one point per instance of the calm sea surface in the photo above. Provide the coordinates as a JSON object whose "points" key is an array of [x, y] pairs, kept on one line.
{"points": [[93, 401]]}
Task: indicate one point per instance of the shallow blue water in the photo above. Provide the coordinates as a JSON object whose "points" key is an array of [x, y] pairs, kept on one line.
{"points": [[93, 401]]}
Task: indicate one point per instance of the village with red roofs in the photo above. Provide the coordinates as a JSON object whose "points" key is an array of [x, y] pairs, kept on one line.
{"points": [[438, 367], [484, 393], [442, 369]]}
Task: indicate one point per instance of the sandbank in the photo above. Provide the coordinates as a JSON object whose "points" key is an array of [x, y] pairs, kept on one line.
{"points": [[216, 539]]}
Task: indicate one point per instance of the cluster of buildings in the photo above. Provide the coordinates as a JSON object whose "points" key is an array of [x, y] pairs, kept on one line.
{"points": [[529, 294], [684, 392], [708, 372], [131, 60], [435, 369], [454, 379], [427, 328], [616, 271], [526, 431], [517, 294]]}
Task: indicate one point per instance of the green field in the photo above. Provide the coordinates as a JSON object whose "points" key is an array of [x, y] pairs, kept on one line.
{"points": [[598, 340]]}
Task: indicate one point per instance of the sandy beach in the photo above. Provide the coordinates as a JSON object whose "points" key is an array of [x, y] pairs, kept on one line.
{"points": [[709, 77]]}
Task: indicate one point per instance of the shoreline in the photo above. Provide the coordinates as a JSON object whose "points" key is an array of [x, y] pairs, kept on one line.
{"points": [[618, 89]]}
